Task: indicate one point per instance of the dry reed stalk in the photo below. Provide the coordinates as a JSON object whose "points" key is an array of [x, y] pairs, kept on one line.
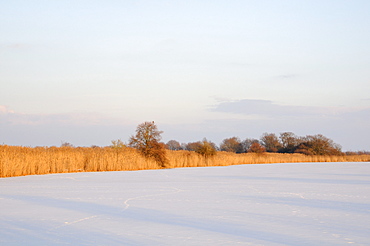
{"points": [[19, 161]]}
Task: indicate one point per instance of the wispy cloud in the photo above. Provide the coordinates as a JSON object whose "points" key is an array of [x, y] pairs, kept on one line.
{"points": [[347, 126], [15, 46], [11, 117], [271, 109], [358, 114], [286, 76], [5, 110], [80, 129]]}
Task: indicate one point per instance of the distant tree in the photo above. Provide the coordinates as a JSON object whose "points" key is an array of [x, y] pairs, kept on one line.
{"points": [[147, 142], [289, 142], [117, 144], [363, 152], [351, 153], [173, 145], [318, 145], [66, 144], [206, 148], [247, 143], [303, 149], [183, 146], [193, 146], [256, 148], [271, 142], [231, 145]]}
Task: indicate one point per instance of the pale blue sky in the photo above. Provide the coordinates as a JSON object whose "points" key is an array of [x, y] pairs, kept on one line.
{"points": [[87, 72]]}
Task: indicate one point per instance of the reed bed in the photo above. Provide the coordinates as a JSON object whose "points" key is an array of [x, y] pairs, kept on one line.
{"points": [[20, 161]]}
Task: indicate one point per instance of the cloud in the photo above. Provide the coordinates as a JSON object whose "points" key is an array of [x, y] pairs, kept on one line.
{"points": [[350, 131], [80, 129], [363, 114], [15, 46], [271, 109], [287, 76], [11, 117], [5, 110], [345, 125]]}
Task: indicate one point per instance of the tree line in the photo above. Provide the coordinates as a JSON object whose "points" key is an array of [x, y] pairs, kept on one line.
{"points": [[286, 142], [147, 141]]}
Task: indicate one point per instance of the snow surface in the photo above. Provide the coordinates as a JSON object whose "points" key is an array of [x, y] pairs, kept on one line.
{"points": [[275, 204]]}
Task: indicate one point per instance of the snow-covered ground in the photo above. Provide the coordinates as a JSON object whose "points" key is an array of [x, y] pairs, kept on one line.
{"points": [[275, 204]]}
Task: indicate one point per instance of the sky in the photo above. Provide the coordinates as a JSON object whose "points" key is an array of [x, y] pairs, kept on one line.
{"points": [[88, 72]]}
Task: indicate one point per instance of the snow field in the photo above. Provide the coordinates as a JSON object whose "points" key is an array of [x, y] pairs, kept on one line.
{"points": [[274, 204]]}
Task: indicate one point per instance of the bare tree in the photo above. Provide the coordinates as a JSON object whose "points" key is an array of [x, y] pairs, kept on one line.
{"points": [[66, 144], [231, 145], [147, 142], [271, 142], [247, 143], [318, 145], [289, 142], [256, 148], [117, 144], [207, 148], [173, 145], [193, 146]]}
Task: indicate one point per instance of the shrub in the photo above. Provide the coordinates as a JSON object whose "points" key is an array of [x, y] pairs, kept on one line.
{"points": [[117, 144], [256, 148], [206, 149]]}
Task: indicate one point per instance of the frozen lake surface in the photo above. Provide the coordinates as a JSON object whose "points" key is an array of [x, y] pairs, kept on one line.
{"points": [[274, 204]]}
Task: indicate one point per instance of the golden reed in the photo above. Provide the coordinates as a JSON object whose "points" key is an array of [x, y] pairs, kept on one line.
{"points": [[20, 161]]}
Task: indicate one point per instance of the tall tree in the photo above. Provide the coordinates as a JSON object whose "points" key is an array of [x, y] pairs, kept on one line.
{"points": [[147, 142]]}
